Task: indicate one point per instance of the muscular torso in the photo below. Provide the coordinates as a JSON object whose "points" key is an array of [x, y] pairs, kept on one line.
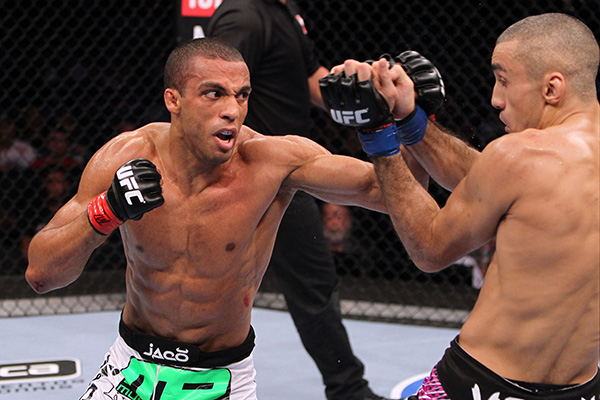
{"points": [[538, 315], [195, 263]]}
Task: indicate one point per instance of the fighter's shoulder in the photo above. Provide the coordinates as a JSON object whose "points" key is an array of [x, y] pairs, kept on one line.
{"points": [[139, 143], [126, 146], [285, 148], [510, 146], [523, 154]]}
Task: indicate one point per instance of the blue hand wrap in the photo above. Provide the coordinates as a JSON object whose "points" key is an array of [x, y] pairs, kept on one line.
{"points": [[380, 142], [411, 130]]}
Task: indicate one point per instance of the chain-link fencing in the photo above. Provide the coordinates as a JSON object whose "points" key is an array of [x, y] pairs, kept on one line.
{"points": [[76, 73]]}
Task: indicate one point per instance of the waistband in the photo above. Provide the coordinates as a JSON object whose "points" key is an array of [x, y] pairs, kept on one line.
{"points": [[169, 352], [460, 373]]}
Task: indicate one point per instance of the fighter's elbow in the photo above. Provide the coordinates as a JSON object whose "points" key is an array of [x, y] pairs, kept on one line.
{"points": [[429, 263], [430, 268], [37, 280]]}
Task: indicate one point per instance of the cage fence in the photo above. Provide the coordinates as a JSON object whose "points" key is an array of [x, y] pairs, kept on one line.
{"points": [[76, 73]]}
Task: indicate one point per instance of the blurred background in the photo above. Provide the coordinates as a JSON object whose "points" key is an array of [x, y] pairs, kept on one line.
{"points": [[75, 73]]}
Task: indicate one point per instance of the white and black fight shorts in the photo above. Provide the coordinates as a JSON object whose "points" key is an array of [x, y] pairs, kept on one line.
{"points": [[143, 367]]}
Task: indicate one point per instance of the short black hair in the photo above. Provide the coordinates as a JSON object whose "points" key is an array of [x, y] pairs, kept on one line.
{"points": [[211, 48]]}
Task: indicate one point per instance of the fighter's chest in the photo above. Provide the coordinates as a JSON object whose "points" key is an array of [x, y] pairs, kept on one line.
{"points": [[215, 222]]}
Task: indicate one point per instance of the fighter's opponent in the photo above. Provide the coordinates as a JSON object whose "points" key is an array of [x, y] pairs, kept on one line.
{"points": [[534, 332]]}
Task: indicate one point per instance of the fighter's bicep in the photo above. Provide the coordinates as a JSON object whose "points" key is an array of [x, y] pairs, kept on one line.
{"points": [[332, 174], [67, 213], [481, 200]]}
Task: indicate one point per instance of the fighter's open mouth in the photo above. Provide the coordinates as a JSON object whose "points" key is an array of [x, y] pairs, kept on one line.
{"points": [[226, 136]]}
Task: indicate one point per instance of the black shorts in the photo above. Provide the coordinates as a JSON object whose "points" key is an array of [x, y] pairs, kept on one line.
{"points": [[458, 376]]}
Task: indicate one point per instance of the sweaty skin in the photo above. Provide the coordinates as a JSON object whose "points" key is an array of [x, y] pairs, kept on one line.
{"points": [[538, 315], [195, 263], [536, 190]]}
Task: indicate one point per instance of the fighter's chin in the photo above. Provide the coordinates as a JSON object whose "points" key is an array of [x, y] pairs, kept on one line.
{"points": [[222, 157], [219, 156]]}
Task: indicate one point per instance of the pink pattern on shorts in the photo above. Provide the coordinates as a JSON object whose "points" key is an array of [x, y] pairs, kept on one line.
{"points": [[432, 389]]}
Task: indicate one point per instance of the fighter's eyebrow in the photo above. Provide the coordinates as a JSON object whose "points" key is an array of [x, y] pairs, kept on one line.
{"points": [[213, 85], [221, 88], [498, 67], [246, 88]]}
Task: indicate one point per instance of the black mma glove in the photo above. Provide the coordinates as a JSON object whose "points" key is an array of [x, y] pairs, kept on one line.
{"points": [[429, 85], [359, 105], [428, 82], [135, 190], [347, 107]]}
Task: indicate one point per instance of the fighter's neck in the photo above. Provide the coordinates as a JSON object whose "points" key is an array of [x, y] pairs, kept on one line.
{"points": [[186, 170]]}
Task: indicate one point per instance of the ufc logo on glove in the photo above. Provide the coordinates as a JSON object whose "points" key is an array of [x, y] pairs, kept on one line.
{"points": [[126, 179], [138, 179], [350, 117]]}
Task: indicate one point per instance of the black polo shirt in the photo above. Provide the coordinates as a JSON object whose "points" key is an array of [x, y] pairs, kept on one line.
{"points": [[280, 58]]}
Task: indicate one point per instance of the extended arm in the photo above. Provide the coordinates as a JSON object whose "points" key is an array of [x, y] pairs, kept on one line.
{"points": [[433, 237], [332, 178], [341, 179]]}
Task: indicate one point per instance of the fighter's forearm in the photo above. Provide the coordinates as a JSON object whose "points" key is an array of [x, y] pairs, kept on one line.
{"points": [[415, 168], [57, 255], [446, 158], [412, 211]]}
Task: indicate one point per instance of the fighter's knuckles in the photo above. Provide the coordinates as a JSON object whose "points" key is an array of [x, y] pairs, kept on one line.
{"points": [[351, 67], [364, 71], [338, 69]]}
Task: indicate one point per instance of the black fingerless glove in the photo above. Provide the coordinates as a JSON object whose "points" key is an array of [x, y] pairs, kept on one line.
{"points": [[358, 104], [428, 82], [135, 190]]}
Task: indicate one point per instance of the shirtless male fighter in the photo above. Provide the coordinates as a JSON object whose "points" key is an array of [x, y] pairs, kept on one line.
{"points": [[212, 193], [198, 202], [534, 332]]}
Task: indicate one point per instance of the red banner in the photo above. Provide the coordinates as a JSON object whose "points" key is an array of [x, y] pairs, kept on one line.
{"points": [[199, 8]]}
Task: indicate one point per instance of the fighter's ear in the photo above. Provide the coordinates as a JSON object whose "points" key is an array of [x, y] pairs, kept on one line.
{"points": [[554, 87], [172, 100]]}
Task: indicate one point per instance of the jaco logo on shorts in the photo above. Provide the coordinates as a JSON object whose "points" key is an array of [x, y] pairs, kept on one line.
{"points": [[199, 8]]}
